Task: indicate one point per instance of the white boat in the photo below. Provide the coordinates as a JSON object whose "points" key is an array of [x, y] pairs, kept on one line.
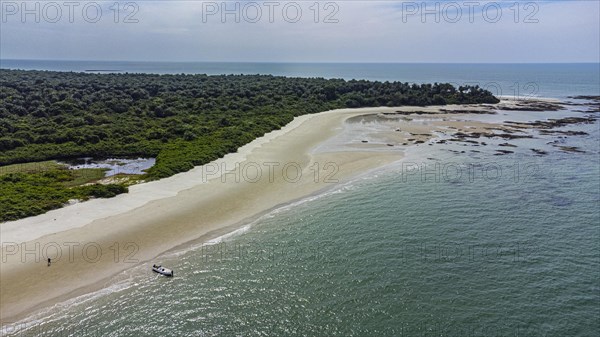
{"points": [[162, 270]]}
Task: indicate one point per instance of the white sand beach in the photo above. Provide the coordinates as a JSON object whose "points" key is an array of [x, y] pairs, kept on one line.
{"points": [[100, 238]]}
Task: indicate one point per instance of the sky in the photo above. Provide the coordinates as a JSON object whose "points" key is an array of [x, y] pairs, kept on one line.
{"points": [[302, 31]]}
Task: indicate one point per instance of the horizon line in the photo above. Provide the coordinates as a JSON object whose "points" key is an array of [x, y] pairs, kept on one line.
{"points": [[293, 62]]}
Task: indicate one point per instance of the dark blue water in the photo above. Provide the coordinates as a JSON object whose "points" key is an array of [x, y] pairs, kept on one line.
{"points": [[516, 80]]}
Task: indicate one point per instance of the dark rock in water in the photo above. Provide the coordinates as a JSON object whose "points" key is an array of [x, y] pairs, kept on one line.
{"points": [[365, 141], [532, 105], [419, 142], [502, 152], [570, 149], [464, 140], [555, 123], [508, 136], [483, 143], [588, 97], [593, 109], [390, 144], [507, 145], [566, 133], [468, 135], [471, 141], [538, 151]]}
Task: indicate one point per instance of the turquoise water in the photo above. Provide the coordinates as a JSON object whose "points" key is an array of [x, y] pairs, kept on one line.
{"points": [[508, 248]]}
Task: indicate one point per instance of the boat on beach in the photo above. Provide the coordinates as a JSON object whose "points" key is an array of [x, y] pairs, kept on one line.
{"points": [[162, 270]]}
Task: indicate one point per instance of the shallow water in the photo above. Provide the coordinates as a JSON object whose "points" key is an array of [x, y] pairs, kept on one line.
{"points": [[114, 166]]}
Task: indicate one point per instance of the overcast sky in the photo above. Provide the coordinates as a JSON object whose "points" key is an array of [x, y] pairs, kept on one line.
{"points": [[286, 31]]}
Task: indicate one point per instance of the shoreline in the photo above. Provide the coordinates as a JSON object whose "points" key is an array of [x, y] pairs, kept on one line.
{"points": [[137, 196], [326, 138], [98, 288], [150, 231]]}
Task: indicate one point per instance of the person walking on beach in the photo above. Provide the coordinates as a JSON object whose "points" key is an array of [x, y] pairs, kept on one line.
{"points": [[49, 261]]}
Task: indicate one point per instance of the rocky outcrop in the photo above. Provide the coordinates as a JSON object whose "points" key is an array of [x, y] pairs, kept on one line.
{"points": [[570, 149], [565, 133], [540, 152], [588, 97], [529, 105], [552, 123]]}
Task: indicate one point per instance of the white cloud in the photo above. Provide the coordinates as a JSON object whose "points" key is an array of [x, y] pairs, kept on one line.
{"points": [[367, 31]]}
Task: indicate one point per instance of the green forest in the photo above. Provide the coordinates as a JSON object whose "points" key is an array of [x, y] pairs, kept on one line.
{"points": [[182, 120]]}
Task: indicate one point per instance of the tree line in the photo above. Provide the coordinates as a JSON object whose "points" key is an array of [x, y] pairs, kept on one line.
{"points": [[182, 120]]}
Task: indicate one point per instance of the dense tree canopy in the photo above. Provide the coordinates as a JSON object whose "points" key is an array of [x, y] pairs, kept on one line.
{"points": [[183, 120]]}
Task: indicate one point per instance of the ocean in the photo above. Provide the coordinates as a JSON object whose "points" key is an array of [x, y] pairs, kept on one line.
{"points": [[516, 80], [470, 244]]}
